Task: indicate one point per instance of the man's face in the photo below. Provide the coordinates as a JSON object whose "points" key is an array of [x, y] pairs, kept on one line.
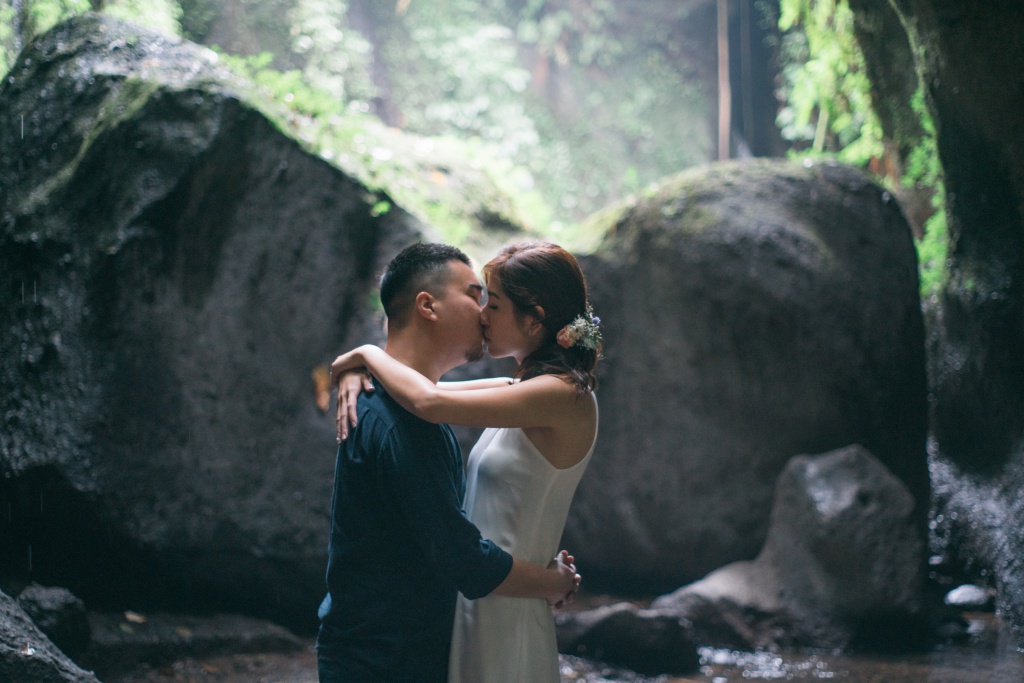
{"points": [[458, 306]]}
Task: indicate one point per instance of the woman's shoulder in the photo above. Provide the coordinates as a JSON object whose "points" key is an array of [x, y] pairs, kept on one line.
{"points": [[549, 382], [560, 391]]}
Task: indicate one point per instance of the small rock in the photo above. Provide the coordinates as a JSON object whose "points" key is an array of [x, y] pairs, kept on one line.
{"points": [[969, 596], [841, 566], [622, 634]]}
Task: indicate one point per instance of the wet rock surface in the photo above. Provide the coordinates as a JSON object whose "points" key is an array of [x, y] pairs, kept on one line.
{"points": [[841, 566], [970, 64], [59, 614], [647, 641], [752, 311], [27, 655]]}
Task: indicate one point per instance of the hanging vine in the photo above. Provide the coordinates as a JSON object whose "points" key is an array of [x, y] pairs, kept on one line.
{"points": [[828, 110]]}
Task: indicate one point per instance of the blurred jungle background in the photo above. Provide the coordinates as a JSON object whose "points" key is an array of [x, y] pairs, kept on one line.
{"points": [[545, 111], [191, 233]]}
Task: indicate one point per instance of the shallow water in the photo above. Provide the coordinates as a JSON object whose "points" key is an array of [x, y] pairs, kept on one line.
{"points": [[989, 655]]}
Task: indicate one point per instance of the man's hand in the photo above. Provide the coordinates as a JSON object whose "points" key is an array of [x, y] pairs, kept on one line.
{"points": [[350, 384], [564, 565]]}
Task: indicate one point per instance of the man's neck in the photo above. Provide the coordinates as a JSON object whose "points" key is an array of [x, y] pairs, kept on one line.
{"points": [[417, 353]]}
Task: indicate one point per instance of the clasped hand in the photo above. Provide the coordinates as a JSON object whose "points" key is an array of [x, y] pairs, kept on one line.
{"points": [[563, 563]]}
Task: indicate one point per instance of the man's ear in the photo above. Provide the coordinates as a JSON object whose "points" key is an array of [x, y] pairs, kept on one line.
{"points": [[425, 305]]}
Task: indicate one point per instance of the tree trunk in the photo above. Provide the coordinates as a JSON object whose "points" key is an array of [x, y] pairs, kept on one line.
{"points": [[724, 90]]}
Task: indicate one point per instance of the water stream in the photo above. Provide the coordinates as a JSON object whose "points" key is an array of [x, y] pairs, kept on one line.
{"points": [[988, 655]]}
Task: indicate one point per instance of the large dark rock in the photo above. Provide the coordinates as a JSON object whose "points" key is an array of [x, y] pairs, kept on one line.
{"points": [[28, 656], [752, 311], [841, 566], [173, 269], [970, 60]]}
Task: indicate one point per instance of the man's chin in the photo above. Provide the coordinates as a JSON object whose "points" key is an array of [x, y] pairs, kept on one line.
{"points": [[475, 354]]}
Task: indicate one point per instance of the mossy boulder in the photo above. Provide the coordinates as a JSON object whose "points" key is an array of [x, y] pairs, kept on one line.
{"points": [[175, 271], [752, 311]]}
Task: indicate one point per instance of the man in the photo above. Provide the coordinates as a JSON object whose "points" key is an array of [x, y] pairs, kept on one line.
{"points": [[400, 546]]}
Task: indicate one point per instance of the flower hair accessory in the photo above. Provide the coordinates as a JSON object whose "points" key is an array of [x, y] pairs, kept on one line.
{"points": [[583, 330]]}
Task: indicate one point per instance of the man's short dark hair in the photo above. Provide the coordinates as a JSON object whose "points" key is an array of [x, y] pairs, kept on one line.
{"points": [[415, 269]]}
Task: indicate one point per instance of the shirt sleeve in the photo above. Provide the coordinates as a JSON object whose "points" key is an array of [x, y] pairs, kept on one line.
{"points": [[417, 469]]}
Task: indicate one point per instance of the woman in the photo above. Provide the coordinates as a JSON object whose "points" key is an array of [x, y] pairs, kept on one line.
{"points": [[524, 470]]}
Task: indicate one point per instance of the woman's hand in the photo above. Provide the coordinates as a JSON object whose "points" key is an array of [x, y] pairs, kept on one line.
{"points": [[353, 360], [350, 384], [564, 564]]}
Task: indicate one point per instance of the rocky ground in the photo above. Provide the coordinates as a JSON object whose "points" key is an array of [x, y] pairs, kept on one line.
{"points": [[300, 667], [161, 648], [294, 667], [989, 656]]}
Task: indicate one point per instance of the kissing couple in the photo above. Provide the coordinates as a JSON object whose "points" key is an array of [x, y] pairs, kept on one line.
{"points": [[438, 573]]}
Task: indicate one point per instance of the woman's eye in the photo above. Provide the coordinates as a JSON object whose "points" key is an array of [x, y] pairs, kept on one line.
{"points": [[493, 307]]}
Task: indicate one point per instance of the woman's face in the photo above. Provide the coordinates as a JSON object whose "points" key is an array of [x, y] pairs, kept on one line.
{"points": [[505, 333]]}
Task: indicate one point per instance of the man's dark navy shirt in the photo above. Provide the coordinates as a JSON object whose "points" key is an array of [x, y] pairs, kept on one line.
{"points": [[400, 548]]}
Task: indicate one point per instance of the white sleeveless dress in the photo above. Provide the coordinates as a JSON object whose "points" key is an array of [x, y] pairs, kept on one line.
{"points": [[520, 501]]}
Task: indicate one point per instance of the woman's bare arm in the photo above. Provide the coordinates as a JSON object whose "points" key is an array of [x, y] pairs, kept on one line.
{"points": [[351, 383], [543, 401], [482, 383]]}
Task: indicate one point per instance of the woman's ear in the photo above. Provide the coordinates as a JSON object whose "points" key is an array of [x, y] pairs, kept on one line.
{"points": [[536, 325], [425, 305]]}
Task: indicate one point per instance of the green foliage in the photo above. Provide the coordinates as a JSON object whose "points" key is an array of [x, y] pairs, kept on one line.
{"points": [[826, 89], [39, 16], [602, 94], [336, 58], [573, 32], [417, 173], [439, 172], [160, 15], [828, 110], [932, 250], [546, 99], [35, 17], [197, 16], [7, 37], [924, 170], [446, 88], [289, 89]]}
